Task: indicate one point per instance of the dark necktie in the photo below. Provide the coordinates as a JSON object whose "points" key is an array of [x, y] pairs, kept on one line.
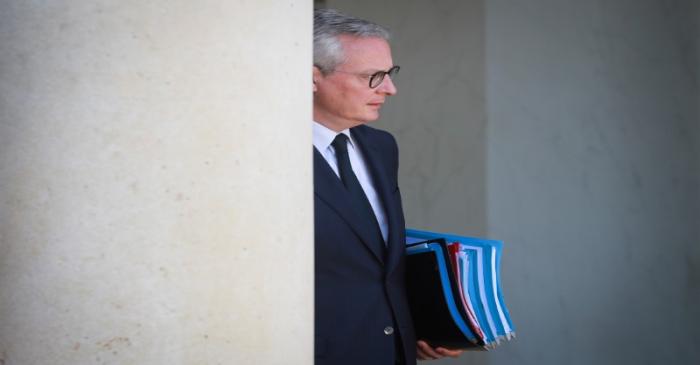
{"points": [[357, 195]]}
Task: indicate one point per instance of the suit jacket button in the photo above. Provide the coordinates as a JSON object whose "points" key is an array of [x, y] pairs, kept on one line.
{"points": [[388, 330]]}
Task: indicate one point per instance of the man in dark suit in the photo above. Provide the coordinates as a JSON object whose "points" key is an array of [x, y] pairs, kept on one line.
{"points": [[361, 311]]}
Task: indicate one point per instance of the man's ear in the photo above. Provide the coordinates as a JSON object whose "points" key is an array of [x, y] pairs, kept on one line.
{"points": [[317, 75]]}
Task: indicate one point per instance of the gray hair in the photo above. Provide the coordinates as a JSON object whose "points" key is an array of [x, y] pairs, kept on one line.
{"points": [[328, 25]]}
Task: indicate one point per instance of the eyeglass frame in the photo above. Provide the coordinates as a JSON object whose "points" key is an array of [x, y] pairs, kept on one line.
{"points": [[377, 75]]}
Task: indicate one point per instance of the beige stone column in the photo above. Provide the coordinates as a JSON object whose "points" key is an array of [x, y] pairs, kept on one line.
{"points": [[155, 182]]}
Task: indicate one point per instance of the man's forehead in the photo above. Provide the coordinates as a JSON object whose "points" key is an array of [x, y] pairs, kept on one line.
{"points": [[372, 52], [350, 41]]}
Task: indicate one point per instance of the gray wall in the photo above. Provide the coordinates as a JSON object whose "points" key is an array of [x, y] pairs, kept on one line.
{"points": [[592, 179], [578, 122]]}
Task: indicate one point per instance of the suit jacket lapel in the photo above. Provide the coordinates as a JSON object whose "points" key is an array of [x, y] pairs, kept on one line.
{"points": [[329, 188], [385, 187]]}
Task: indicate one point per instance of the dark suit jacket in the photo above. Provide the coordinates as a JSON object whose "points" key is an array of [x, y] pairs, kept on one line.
{"points": [[360, 290]]}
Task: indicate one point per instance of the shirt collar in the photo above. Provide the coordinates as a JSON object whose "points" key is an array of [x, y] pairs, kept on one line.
{"points": [[323, 137]]}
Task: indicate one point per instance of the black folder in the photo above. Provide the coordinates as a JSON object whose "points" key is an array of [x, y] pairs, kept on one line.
{"points": [[434, 296]]}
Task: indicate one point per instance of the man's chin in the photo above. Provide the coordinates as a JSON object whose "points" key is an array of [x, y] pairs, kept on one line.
{"points": [[371, 117], [368, 118]]}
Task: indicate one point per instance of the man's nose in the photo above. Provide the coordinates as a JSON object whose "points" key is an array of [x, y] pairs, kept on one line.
{"points": [[387, 86]]}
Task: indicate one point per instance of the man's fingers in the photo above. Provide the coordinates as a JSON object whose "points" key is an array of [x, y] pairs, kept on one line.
{"points": [[447, 352], [422, 355], [427, 350]]}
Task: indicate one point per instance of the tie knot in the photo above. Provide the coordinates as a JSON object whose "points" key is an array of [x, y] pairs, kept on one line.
{"points": [[340, 143]]}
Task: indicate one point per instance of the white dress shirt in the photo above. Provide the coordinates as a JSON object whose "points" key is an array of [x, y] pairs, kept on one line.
{"points": [[322, 138]]}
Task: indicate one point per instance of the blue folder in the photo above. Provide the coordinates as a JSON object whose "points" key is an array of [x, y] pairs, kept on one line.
{"points": [[436, 292]]}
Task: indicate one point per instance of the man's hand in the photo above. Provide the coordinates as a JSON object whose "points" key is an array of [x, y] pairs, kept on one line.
{"points": [[426, 352]]}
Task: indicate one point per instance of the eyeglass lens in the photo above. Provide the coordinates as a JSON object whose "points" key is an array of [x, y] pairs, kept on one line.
{"points": [[378, 77]]}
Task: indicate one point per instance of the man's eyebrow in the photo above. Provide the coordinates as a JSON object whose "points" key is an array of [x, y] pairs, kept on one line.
{"points": [[373, 71]]}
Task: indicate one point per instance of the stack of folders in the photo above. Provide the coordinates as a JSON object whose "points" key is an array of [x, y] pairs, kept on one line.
{"points": [[454, 290]]}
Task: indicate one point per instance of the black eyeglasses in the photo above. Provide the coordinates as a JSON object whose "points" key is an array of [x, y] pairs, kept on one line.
{"points": [[376, 78]]}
